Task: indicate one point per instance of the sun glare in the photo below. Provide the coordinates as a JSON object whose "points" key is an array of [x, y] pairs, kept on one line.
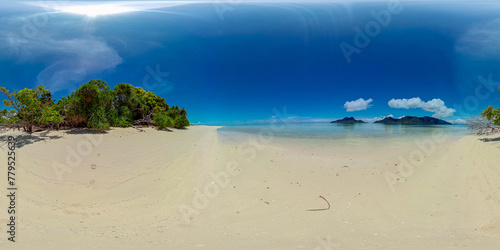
{"points": [[96, 10]]}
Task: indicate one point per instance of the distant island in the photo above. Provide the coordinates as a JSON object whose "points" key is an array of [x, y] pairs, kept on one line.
{"points": [[413, 120], [348, 120]]}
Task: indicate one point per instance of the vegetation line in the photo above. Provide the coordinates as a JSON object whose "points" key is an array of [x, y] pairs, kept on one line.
{"points": [[93, 105]]}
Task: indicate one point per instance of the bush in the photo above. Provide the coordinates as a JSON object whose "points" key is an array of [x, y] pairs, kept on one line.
{"points": [[93, 105], [9, 118], [162, 120], [120, 119], [181, 121], [121, 122], [34, 107], [98, 120]]}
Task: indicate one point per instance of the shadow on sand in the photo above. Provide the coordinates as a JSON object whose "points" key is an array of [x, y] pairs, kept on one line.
{"points": [[490, 139], [27, 139], [164, 129], [84, 131], [317, 209]]}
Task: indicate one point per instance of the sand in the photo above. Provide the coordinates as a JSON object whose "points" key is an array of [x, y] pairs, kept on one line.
{"points": [[149, 189]]}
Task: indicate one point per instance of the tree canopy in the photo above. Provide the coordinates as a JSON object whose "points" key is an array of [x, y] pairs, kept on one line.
{"points": [[492, 114], [489, 122], [93, 105]]}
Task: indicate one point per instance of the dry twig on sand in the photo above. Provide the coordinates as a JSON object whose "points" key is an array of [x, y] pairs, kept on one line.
{"points": [[325, 200], [321, 209]]}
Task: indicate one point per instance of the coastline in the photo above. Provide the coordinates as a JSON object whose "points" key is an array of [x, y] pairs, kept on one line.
{"points": [[127, 191]]}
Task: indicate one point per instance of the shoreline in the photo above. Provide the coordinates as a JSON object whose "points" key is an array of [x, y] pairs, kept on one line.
{"points": [[128, 191]]}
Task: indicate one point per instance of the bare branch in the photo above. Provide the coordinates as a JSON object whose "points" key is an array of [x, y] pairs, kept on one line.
{"points": [[482, 126]]}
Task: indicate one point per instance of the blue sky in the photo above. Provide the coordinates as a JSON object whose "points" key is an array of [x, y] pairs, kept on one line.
{"points": [[227, 61]]}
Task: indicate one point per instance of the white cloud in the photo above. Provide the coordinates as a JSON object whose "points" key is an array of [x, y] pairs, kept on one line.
{"points": [[458, 121], [67, 61], [481, 41], [358, 105], [68, 57], [436, 106], [82, 57]]}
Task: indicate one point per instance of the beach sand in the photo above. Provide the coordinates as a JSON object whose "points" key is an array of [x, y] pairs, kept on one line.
{"points": [[150, 189]]}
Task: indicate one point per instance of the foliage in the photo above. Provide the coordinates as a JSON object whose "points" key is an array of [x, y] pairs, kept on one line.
{"points": [[174, 111], [152, 101], [117, 120], [128, 103], [492, 114], [94, 105], [162, 120], [98, 119], [490, 120], [181, 121], [9, 117], [34, 107], [89, 104]]}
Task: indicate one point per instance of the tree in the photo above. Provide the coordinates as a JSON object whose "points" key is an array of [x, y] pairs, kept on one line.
{"points": [[90, 104], [93, 105], [9, 118], [174, 111], [162, 120], [181, 121], [491, 122], [34, 107], [128, 103], [152, 101], [481, 125], [492, 114]]}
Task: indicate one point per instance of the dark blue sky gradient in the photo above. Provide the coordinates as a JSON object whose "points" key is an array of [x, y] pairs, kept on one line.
{"points": [[265, 56]]}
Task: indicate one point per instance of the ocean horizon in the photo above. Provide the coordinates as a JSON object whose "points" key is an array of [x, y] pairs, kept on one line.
{"points": [[343, 131]]}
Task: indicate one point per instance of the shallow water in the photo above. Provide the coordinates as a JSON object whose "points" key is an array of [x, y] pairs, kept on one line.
{"points": [[343, 131]]}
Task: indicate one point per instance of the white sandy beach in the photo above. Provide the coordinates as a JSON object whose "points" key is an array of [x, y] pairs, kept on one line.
{"points": [[127, 190]]}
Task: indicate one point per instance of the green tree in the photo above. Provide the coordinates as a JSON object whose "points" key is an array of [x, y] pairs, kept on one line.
{"points": [[90, 104], [34, 107], [9, 118], [128, 103], [181, 121], [174, 111], [162, 120], [492, 114], [93, 105], [152, 102], [98, 120]]}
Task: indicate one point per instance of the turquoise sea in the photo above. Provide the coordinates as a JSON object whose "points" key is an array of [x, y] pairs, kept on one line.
{"points": [[342, 131]]}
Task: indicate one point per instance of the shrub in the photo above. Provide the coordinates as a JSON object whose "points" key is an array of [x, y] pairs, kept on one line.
{"points": [[162, 120], [93, 105], [120, 119], [181, 121], [34, 107], [98, 120]]}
